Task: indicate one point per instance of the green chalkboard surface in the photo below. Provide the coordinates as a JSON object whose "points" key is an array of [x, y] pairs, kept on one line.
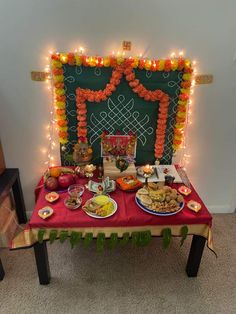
{"points": [[123, 111]]}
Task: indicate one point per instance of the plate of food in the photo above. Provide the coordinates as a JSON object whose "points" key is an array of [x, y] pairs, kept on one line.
{"points": [[100, 206], [163, 201], [129, 183]]}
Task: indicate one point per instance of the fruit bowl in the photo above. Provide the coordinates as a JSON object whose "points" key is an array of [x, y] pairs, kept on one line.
{"points": [[58, 179]]}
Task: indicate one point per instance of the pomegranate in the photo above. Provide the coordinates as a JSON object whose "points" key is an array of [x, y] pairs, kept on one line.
{"points": [[51, 184], [65, 180]]}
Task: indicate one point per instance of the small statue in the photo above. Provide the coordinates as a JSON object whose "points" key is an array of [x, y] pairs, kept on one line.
{"points": [[82, 153]]}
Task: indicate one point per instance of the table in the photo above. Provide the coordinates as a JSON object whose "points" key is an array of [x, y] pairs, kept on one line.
{"points": [[128, 218], [10, 179]]}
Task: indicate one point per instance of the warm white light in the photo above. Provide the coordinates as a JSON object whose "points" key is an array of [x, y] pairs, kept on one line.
{"points": [[172, 55], [181, 53], [81, 50]]}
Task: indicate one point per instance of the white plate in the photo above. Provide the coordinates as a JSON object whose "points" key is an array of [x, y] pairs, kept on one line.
{"points": [[153, 212], [100, 217]]}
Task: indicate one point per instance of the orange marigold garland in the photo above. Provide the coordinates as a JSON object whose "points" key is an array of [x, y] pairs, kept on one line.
{"points": [[97, 96], [60, 98], [181, 114], [122, 66]]}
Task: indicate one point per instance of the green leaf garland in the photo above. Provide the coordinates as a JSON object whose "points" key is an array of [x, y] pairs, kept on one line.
{"points": [[41, 233], [113, 241], [125, 239], [52, 236], [75, 238], [166, 237], [88, 239], [100, 241], [63, 236], [184, 233]]}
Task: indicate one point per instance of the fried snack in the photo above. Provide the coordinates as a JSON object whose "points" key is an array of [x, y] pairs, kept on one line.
{"points": [[145, 200], [164, 199], [152, 186]]}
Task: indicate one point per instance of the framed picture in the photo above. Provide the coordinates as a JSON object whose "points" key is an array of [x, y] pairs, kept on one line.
{"points": [[118, 145]]}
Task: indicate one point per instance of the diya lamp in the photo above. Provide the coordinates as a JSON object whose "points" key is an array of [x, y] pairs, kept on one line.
{"points": [[52, 197], [184, 190], [88, 170], [193, 205], [147, 172]]}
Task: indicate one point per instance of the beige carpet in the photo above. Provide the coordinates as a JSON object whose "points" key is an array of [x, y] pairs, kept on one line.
{"points": [[125, 280]]}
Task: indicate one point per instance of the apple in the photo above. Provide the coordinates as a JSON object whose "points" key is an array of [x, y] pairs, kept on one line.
{"points": [[51, 184], [65, 180]]}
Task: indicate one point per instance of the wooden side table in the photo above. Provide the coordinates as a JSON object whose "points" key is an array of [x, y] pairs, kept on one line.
{"points": [[10, 179]]}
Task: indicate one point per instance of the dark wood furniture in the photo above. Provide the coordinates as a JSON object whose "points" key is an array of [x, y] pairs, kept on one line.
{"points": [[192, 267], [10, 180]]}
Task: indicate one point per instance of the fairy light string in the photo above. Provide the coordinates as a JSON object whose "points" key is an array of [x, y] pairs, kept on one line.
{"points": [[180, 136]]}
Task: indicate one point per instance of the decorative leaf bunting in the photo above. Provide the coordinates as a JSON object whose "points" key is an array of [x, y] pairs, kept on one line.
{"points": [[166, 237], [52, 236], [75, 237], [113, 241], [63, 236], [88, 239], [184, 233], [145, 238], [141, 238], [100, 241], [125, 239], [41, 233]]}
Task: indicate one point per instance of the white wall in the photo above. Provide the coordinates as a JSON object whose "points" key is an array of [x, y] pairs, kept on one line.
{"points": [[204, 29]]}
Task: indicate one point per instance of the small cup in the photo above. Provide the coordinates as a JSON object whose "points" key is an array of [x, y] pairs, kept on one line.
{"points": [[169, 180], [76, 190]]}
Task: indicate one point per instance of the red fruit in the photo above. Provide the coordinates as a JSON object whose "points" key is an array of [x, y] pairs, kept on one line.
{"points": [[51, 184], [65, 180]]}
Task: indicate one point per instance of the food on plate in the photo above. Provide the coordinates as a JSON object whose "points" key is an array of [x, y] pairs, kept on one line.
{"points": [[72, 202], [163, 199], [152, 185], [51, 184], [101, 199], [65, 180], [102, 210], [145, 199], [142, 191], [129, 183]]}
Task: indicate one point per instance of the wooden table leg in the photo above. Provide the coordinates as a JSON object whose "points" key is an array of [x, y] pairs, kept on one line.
{"points": [[41, 257], [2, 273], [195, 255], [19, 201]]}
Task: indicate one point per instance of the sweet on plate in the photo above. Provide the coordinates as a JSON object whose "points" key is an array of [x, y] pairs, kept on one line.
{"points": [[101, 206]]}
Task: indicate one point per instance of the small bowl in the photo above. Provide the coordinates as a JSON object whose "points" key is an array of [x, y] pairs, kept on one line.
{"points": [[72, 202], [76, 190]]}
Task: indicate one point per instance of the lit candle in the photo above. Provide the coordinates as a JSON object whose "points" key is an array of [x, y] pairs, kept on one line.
{"points": [[147, 169]]}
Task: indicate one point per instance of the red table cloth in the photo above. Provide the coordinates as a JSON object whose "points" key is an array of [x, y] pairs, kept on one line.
{"points": [[128, 213]]}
